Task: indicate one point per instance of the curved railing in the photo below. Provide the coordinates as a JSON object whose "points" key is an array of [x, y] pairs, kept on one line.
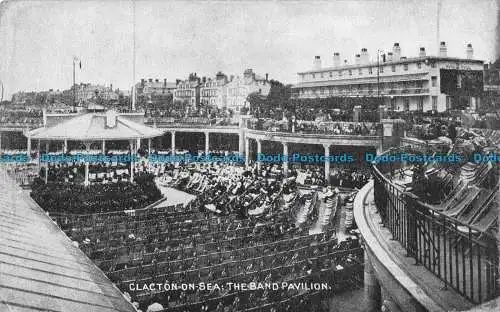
{"points": [[461, 255]]}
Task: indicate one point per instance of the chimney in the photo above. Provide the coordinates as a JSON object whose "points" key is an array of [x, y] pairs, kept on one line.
{"points": [[150, 80], [267, 76], [396, 51], [357, 59], [365, 58], [165, 82], [111, 87], [389, 57], [157, 80], [336, 59], [142, 81], [469, 51], [346, 62], [443, 49], [421, 53], [317, 62]]}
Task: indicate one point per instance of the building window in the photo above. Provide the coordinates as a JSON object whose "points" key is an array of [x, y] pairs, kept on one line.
{"points": [[419, 65], [420, 104], [434, 81], [381, 69], [435, 103], [370, 70], [405, 66], [433, 65], [393, 103], [314, 76], [331, 74], [321, 75], [393, 68], [406, 104], [350, 72], [340, 73], [360, 71]]}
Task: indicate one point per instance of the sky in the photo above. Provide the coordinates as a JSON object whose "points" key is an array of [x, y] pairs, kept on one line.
{"points": [[39, 39]]}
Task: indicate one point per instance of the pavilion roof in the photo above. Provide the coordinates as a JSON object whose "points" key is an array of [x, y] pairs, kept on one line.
{"points": [[93, 126]]}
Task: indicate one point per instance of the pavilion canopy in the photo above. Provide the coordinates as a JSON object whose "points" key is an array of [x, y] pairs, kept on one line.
{"points": [[95, 126]]}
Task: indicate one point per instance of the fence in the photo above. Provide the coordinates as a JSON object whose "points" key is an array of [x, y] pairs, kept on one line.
{"points": [[463, 257]]}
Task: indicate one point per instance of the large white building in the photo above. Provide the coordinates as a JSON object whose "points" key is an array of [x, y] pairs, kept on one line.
{"points": [[239, 88], [419, 83], [213, 91]]}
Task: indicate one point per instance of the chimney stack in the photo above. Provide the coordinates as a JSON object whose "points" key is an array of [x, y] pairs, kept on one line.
{"points": [[357, 59], [469, 51], [421, 53], [150, 79], [267, 76], [111, 87], [389, 57], [365, 58], [443, 49], [142, 81], [164, 82], [317, 62], [336, 59], [396, 51]]}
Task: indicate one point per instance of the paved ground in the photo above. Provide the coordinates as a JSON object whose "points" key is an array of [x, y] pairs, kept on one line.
{"points": [[175, 196], [349, 301]]}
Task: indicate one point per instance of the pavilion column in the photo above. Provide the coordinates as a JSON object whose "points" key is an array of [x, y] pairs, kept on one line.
{"points": [[0, 140], [207, 142], [28, 148], [327, 163], [39, 153], [172, 143], [65, 148], [87, 148], [259, 151], [47, 147], [285, 158], [138, 145], [103, 147], [131, 161], [247, 152], [149, 147]]}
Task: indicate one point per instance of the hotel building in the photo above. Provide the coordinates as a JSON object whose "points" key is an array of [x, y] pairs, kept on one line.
{"points": [[213, 91], [239, 88], [425, 83]]}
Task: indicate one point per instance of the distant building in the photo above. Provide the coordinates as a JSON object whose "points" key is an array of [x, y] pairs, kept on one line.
{"points": [[188, 91], [85, 92], [154, 87], [213, 91], [424, 83], [238, 89]]}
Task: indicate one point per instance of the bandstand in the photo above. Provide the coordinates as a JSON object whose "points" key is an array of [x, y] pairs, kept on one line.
{"points": [[92, 127]]}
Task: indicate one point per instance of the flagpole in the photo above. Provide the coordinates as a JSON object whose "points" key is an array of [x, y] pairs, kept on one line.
{"points": [[74, 87]]}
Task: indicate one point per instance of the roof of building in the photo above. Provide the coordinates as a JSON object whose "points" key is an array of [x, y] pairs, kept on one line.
{"points": [[40, 268], [401, 61], [93, 126]]}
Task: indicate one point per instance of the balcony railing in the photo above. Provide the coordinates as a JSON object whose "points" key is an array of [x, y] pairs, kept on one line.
{"points": [[463, 257]]}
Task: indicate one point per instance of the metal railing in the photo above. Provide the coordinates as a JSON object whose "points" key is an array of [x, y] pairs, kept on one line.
{"points": [[462, 256]]}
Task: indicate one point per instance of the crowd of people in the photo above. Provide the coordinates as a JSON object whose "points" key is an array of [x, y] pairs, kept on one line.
{"points": [[66, 197], [21, 117], [300, 126]]}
